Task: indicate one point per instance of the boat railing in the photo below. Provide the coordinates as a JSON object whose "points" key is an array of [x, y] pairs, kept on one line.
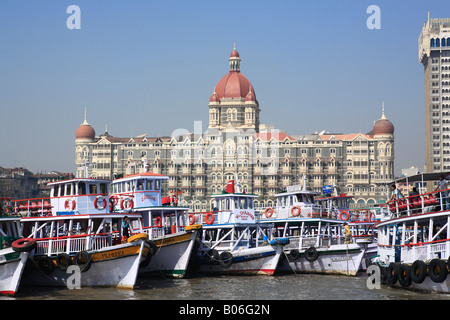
{"points": [[418, 204], [72, 244], [30, 207], [158, 232]]}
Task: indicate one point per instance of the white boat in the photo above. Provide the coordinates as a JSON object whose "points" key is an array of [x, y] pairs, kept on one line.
{"points": [[13, 255], [163, 221], [77, 229], [414, 244], [232, 240], [317, 242]]}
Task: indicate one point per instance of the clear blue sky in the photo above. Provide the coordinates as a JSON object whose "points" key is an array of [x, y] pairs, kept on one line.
{"points": [[151, 66]]}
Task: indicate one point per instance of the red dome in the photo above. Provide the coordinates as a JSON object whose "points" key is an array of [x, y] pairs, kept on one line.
{"points": [[85, 131], [250, 96], [383, 126], [233, 85], [214, 98], [234, 54]]}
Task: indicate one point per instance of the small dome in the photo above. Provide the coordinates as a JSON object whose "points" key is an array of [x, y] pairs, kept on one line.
{"points": [[214, 98], [383, 126], [85, 131], [234, 54], [250, 96]]}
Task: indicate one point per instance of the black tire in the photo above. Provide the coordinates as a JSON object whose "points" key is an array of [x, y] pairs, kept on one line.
{"points": [[83, 260], [153, 247], [45, 264], [23, 245], [311, 254], [418, 271], [404, 275], [212, 256], [437, 270], [392, 273], [63, 261], [294, 255], [147, 260], [383, 272], [226, 259]]}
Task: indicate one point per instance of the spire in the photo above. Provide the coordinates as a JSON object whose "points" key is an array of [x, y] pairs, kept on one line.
{"points": [[85, 117], [383, 116]]}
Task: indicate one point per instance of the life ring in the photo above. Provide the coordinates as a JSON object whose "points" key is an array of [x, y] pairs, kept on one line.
{"points": [[294, 254], [191, 219], [83, 260], [209, 219], [437, 270], [225, 259], [126, 204], [63, 261], [158, 222], [295, 210], [311, 254], [268, 212], [347, 216], [139, 236], [392, 273], [100, 198], [69, 205], [418, 271], [404, 275], [23, 245]]}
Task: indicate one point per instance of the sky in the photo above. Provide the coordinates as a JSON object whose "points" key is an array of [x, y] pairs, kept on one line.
{"points": [[150, 67]]}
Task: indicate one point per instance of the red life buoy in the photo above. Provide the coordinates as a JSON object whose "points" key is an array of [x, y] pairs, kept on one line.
{"points": [[209, 219], [295, 212], [158, 222], [347, 216], [103, 206], [191, 219], [268, 212], [68, 206], [126, 203]]}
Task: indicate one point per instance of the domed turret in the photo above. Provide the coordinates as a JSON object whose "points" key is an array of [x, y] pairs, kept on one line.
{"points": [[85, 131], [383, 126]]}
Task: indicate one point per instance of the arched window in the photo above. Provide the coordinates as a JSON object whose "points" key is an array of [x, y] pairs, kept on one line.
{"points": [[443, 42], [432, 43], [438, 42]]}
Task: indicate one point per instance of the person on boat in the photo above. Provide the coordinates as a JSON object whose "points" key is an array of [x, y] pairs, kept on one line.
{"points": [[442, 185], [395, 193], [348, 234], [125, 228]]}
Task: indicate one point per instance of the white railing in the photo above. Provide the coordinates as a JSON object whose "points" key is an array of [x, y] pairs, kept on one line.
{"points": [[54, 246]]}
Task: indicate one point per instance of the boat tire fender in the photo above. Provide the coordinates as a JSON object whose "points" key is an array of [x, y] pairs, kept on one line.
{"points": [[226, 259], [83, 260], [294, 255], [63, 261], [437, 270], [23, 245], [418, 271], [404, 275], [45, 264], [311, 254], [392, 273]]}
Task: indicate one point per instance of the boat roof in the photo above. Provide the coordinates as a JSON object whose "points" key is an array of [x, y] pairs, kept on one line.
{"points": [[235, 195], [413, 217], [79, 180], [135, 176], [334, 197], [433, 176], [82, 216], [297, 192]]}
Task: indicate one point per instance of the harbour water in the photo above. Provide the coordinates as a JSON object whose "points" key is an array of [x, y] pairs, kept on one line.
{"points": [[238, 288]]}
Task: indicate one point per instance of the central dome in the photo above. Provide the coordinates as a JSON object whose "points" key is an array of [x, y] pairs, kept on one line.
{"points": [[234, 85]]}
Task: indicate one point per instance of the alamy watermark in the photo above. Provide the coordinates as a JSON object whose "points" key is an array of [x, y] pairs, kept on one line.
{"points": [[74, 20], [374, 21], [374, 279]]}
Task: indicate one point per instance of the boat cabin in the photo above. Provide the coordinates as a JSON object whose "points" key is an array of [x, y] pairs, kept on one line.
{"points": [[141, 190]]}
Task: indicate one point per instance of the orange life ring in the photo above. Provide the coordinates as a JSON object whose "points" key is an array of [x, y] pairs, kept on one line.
{"points": [[103, 206], [158, 222], [67, 205], [347, 216], [126, 203], [268, 215], [209, 219], [191, 219], [297, 212]]}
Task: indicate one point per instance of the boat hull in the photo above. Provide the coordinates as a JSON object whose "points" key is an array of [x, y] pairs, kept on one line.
{"points": [[172, 255], [254, 261], [336, 259], [115, 266], [12, 265]]}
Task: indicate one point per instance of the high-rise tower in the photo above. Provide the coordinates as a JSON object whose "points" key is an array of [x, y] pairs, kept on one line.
{"points": [[434, 54]]}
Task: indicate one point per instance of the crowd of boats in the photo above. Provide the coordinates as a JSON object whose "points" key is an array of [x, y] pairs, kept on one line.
{"points": [[107, 233]]}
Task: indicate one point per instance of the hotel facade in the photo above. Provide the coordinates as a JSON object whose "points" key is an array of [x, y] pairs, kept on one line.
{"points": [[237, 146]]}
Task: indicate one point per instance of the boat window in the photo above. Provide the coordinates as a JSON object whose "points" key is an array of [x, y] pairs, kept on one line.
{"points": [[126, 187], [243, 203], [157, 185], [82, 188], [227, 204], [140, 185], [250, 203], [103, 188], [92, 189], [149, 184], [68, 189], [283, 202], [55, 190]]}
